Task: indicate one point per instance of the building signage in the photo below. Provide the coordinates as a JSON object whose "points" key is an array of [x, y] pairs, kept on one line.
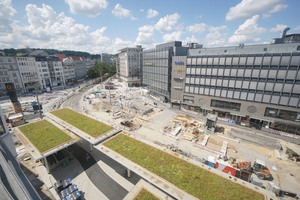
{"points": [[148, 64], [17, 106], [11, 91], [179, 62]]}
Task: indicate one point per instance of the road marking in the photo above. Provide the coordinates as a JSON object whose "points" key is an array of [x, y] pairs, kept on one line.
{"points": [[73, 100]]}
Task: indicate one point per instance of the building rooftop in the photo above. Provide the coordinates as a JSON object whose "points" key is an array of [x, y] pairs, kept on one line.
{"points": [[13, 184]]}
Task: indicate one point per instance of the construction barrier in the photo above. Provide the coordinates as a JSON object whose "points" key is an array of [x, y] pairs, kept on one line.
{"points": [[225, 169]]}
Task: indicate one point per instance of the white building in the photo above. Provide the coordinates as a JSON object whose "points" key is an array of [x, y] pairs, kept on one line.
{"points": [[129, 65], [69, 72], [29, 73], [43, 73], [9, 73], [58, 71]]}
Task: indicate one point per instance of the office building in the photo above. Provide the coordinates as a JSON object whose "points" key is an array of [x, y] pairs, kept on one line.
{"points": [[129, 65], [29, 73], [79, 66], [68, 68], [255, 85], [157, 65], [43, 72], [9, 73]]}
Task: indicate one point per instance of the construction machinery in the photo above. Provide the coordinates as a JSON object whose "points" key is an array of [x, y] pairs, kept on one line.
{"points": [[259, 168]]}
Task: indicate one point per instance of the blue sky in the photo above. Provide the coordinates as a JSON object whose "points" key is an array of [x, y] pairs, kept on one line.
{"points": [[105, 26]]}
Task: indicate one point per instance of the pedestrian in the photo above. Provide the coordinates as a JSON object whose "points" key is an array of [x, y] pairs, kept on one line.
{"points": [[87, 156]]}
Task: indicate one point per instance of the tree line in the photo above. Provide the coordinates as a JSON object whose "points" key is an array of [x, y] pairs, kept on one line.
{"points": [[14, 52], [100, 69]]}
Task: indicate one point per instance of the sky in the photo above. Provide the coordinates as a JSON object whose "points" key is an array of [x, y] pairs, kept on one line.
{"points": [[106, 26]]}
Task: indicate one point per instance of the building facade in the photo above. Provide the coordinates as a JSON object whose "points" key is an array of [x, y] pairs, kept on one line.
{"points": [[43, 72], [9, 73], [157, 66], [257, 85], [79, 66], [29, 73], [129, 65]]}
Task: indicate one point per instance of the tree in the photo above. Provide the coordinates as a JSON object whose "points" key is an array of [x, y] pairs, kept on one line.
{"points": [[100, 69]]}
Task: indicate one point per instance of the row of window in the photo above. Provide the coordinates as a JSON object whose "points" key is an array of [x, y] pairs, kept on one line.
{"points": [[243, 60], [245, 95], [252, 85], [25, 59], [225, 105], [158, 70], [270, 80], [283, 114], [254, 73]]}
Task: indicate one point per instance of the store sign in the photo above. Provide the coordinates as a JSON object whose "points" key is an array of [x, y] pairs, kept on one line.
{"points": [[149, 64], [179, 62], [11, 91]]}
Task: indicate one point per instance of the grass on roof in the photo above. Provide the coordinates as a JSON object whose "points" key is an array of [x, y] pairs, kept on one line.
{"points": [[145, 195], [190, 178], [44, 135], [88, 125]]}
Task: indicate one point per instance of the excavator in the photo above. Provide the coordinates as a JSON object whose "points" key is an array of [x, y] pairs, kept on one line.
{"points": [[259, 168]]}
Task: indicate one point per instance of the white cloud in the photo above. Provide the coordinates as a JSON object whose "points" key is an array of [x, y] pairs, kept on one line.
{"points": [[297, 28], [88, 7], [145, 35], [248, 31], [47, 29], [121, 12], [152, 13], [167, 23], [249, 8], [142, 10], [215, 38], [172, 36], [216, 28], [6, 14], [278, 28], [197, 28]]}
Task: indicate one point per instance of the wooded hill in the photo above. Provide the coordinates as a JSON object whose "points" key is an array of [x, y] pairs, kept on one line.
{"points": [[25, 51]]}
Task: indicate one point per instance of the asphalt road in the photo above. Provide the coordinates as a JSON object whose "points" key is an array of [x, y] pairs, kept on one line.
{"points": [[99, 178]]}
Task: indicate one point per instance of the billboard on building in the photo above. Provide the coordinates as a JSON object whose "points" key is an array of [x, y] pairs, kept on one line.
{"points": [[11, 91]]}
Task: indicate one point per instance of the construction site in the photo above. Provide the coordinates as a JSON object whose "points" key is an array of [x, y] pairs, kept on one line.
{"points": [[251, 155], [254, 156]]}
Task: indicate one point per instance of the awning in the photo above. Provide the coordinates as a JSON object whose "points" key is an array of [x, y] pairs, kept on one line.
{"points": [[236, 114], [204, 108], [261, 119]]}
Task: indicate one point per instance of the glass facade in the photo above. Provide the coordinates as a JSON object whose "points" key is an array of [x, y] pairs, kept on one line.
{"points": [[268, 78], [157, 71]]}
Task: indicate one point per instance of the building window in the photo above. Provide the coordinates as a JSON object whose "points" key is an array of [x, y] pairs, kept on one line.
{"points": [[298, 48], [225, 105], [282, 114], [265, 49]]}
